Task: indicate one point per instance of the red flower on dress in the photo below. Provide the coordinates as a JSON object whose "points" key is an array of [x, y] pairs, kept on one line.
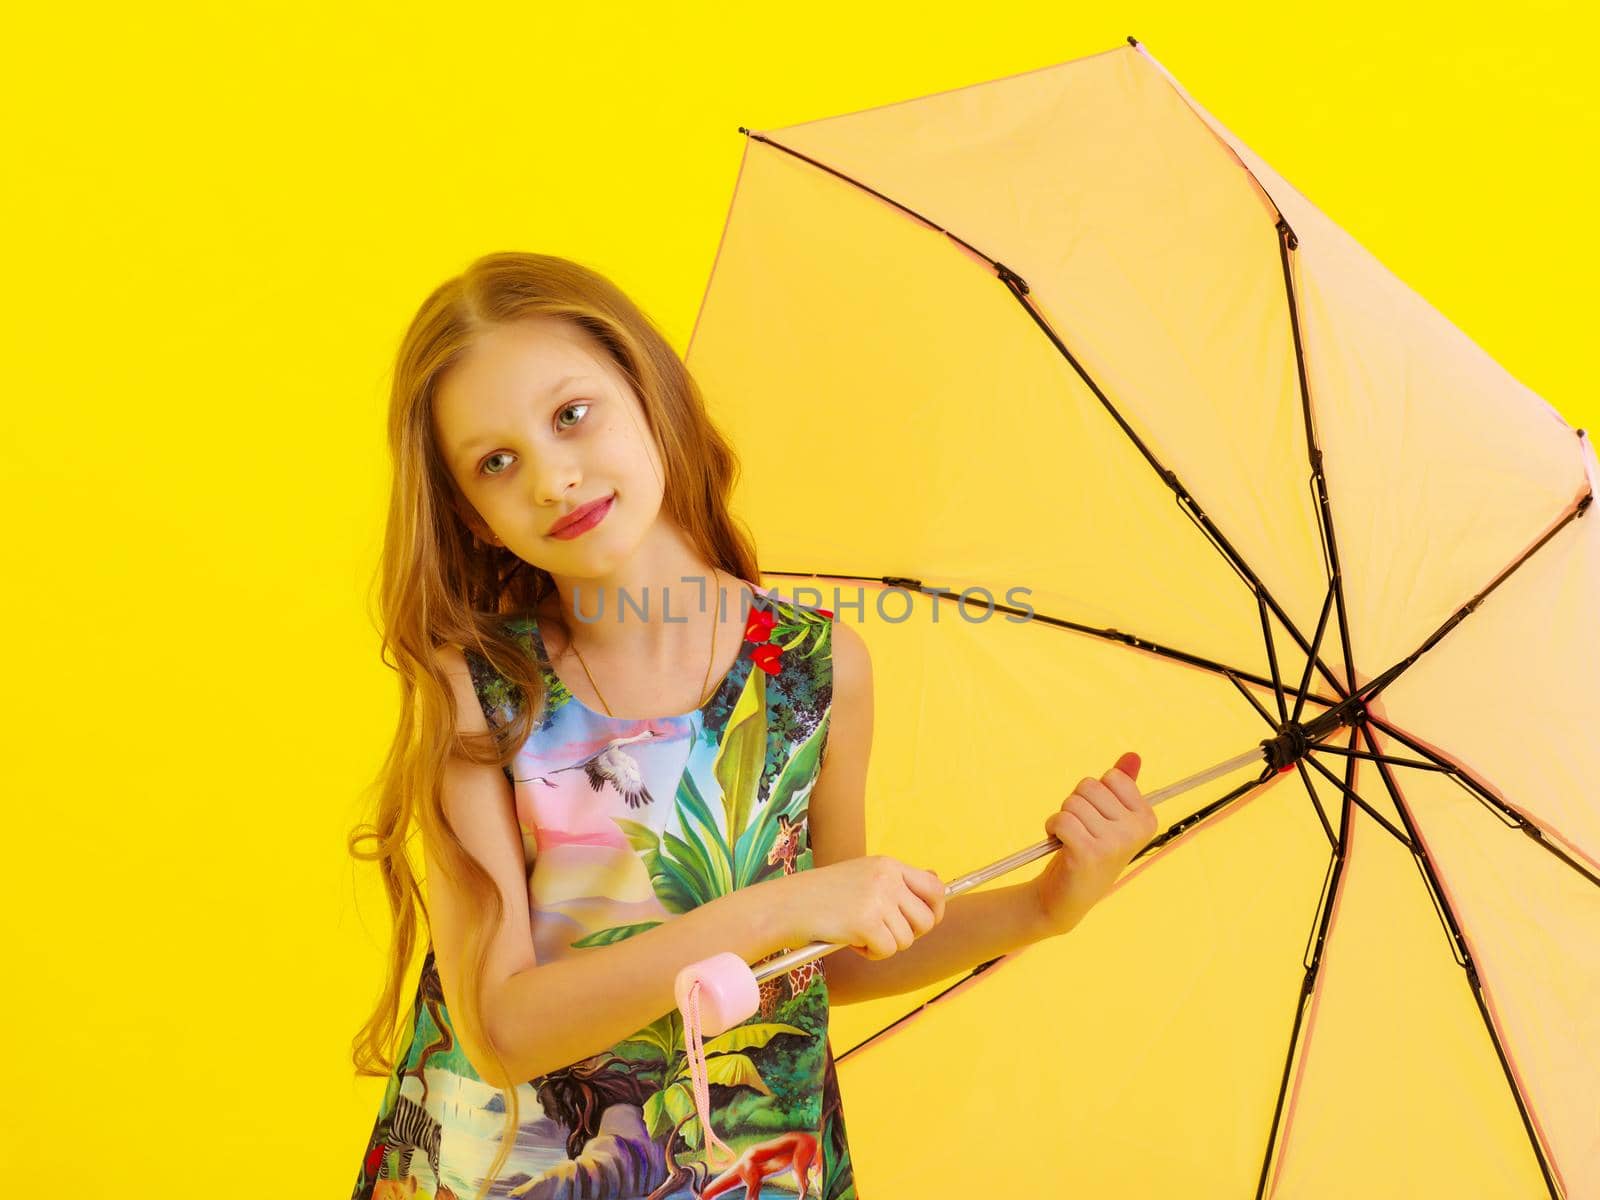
{"points": [[759, 627], [769, 658], [825, 613]]}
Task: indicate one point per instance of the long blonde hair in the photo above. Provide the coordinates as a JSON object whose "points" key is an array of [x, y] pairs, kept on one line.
{"points": [[439, 585]]}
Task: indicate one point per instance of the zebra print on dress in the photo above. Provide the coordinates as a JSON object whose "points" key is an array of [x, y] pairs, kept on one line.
{"points": [[410, 1129]]}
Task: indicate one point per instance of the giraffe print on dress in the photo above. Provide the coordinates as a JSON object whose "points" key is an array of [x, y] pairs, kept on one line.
{"points": [[785, 849], [786, 846]]}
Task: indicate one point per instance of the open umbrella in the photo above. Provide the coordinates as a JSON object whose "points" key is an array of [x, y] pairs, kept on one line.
{"points": [[1104, 437]]}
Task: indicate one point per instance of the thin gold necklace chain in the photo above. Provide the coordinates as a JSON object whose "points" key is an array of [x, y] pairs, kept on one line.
{"points": [[704, 683]]}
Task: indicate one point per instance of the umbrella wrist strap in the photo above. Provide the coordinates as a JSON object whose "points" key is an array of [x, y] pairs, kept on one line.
{"points": [[699, 1076]]}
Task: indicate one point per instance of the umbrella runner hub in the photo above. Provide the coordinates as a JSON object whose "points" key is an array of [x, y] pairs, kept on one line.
{"points": [[1296, 740]]}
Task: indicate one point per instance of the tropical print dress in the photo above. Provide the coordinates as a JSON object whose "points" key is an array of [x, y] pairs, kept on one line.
{"points": [[625, 824]]}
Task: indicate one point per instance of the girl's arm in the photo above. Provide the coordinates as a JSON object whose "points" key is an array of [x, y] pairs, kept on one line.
{"points": [[545, 1016], [552, 1015], [976, 927]]}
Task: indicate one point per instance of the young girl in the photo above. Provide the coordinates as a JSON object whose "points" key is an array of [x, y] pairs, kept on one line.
{"points": [[624, 755]]}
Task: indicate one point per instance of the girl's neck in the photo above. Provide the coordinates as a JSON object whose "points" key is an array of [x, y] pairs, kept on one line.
{"points": [[647, 613], [651, 667]]}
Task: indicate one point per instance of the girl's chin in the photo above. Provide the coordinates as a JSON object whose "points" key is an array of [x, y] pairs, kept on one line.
{"points": [[596, 553]]}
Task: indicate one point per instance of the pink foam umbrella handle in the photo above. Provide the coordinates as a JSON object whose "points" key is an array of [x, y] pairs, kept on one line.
{"points": [[714, 995], [729, 993]]}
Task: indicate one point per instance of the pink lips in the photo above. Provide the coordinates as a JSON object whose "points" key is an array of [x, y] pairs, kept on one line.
{"points": [[581, 520]]}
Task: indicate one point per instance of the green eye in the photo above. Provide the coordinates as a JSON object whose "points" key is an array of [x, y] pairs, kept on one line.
{"points": [[568, 408], [497, 454]]}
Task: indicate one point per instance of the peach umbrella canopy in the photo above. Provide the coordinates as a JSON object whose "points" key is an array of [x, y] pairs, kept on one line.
{"points": [[1203, 471]]}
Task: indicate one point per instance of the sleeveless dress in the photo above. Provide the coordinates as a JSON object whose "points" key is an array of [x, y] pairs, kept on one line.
{"points": [[625, 824]]}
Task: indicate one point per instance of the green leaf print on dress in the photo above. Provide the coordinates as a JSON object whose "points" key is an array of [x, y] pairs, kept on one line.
{"points": [[742, 754]]}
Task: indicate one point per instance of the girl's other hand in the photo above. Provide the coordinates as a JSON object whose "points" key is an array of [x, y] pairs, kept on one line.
{"points": [[875, 904], [1101, 826]]}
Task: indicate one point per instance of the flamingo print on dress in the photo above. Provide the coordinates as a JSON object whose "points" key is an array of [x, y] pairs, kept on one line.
{"points": [[611, 764], [784, 850]]}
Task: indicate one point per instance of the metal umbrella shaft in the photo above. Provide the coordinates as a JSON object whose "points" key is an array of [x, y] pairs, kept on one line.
{"points": [[1011, 862]]}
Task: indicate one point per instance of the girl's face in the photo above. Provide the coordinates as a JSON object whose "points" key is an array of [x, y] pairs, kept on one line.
{"points": [[535, 421]]}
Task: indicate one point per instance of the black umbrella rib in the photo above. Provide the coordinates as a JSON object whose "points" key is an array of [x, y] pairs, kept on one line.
{"points": [[1316, 644], [1316, 805], [1373, 686], [940, 995], [1287, 241], [1112, 635], [1417, 764], [1461, 953], [1272, 662], [1512, 817], [1312, 961], [1019, 289], [1355, 797], [1178, 828]]}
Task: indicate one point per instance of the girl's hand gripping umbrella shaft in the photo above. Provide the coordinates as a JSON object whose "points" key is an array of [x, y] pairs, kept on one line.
{"points": [[1253, 756]]}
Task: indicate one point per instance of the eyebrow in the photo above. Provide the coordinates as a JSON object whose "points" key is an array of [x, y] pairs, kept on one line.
{"points": [[466, 450]]}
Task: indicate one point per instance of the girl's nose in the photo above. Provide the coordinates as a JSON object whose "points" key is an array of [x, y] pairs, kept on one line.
{"points": [[555, 481]]}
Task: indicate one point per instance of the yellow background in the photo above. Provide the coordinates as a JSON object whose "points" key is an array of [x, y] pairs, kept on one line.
{"points": [[218, 221]]}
